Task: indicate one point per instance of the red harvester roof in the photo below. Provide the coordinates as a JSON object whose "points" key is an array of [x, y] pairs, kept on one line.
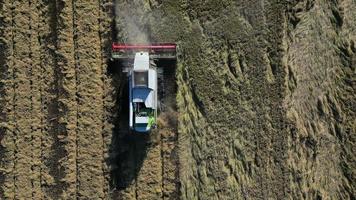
{"points": [[158, 46]]}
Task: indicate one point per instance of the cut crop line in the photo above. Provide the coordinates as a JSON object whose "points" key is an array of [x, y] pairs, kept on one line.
{"points": [[163, 163], [31, 98], [9, 113], [136, 172], [41, 94], [105, 190], [76, 96], [14, 94]]}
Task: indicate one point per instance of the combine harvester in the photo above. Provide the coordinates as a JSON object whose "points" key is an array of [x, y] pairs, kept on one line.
{"points": [[142, 71]]}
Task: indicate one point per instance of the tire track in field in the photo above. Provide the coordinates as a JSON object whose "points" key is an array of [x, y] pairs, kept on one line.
{"points": [[67, 102], [89, 96], [52, 151]]}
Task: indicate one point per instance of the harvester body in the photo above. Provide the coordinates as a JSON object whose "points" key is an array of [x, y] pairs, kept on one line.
{"points": [[142, 93], [142, 79]]}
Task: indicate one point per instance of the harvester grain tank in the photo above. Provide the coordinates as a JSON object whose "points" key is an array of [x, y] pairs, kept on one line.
{"points": [[142, 75]]}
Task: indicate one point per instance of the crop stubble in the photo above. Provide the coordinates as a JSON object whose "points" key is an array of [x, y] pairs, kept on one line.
{"points": [[52, 123], [58, 103]]}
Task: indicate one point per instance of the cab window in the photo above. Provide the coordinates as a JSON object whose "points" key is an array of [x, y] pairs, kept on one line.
{"points": [[141, 79]]}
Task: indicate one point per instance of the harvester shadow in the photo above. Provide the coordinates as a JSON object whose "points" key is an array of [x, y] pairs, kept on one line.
{"points": [[128, 149]]}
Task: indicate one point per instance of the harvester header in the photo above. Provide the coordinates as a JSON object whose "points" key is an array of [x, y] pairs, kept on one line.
{"points": [[156, 51], [158, 46]]}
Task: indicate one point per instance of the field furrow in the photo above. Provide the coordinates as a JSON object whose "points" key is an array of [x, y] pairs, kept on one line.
{"points": [[90, 100]]}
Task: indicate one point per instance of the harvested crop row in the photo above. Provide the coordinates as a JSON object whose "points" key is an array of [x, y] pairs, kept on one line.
{"points": [[52, 151], [139, 174], [7, 129], [105, 34], [90, 100], [24, 162], [36, 100], [45, 111], [67, 102], [168, 132], [149, 177], [153, 167], [170, 165]]}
